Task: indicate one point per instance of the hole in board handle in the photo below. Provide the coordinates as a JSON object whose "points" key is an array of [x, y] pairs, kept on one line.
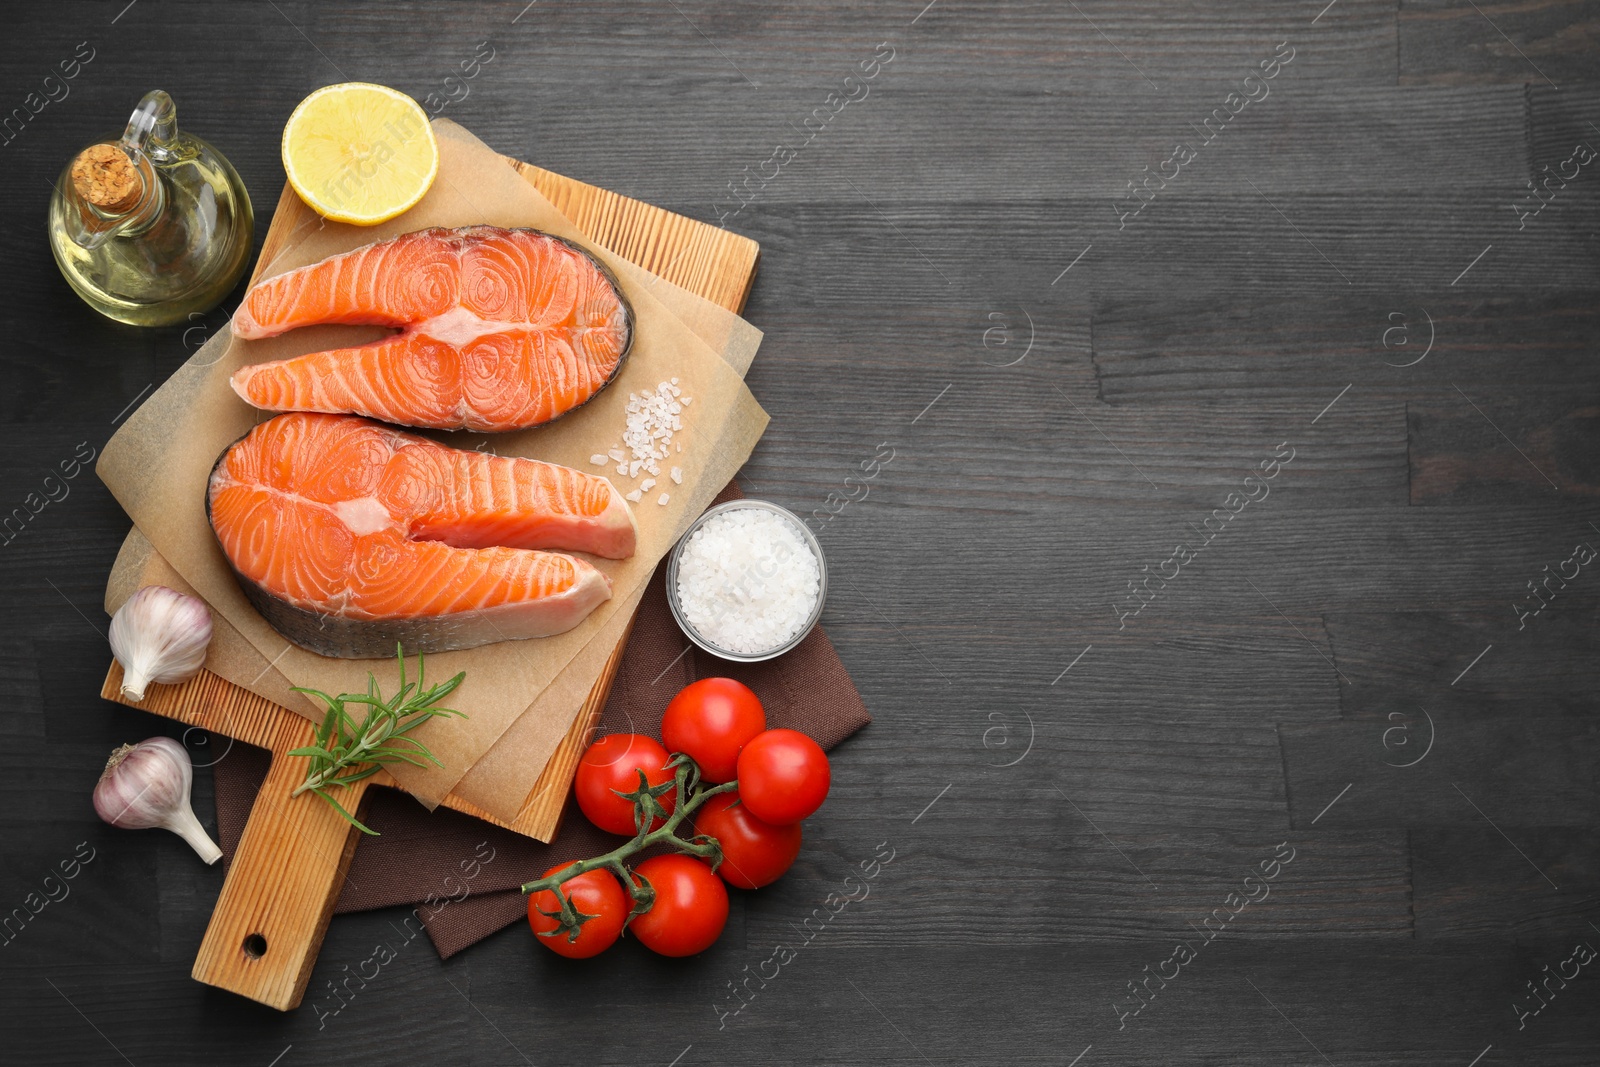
{"points": [[255, 946]]}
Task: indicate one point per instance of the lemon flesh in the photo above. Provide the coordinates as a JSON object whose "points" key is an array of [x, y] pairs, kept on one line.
{"points": [[359, 153]]}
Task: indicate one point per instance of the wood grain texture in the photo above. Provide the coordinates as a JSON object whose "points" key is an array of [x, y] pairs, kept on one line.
{"points": [[269, 920], [1491, 447], [1181, 350], [983, 560], [1497, 775], [279, 894], [1547, 42], [714, 264], [1454, 867], [1400, 661], [1122, 886]]}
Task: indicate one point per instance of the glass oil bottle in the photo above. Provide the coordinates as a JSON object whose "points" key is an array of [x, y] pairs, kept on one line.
{"points": [[152, 227]]}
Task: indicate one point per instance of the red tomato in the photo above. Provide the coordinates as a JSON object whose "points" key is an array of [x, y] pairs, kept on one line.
{"points": [[691, 906], [610, 766], [783, 776], [710, 720], [754, 853], [596, 893]]}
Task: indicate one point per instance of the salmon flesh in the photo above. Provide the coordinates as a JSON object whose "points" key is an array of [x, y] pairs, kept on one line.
{"points": [[499, 330], [349, 537]]}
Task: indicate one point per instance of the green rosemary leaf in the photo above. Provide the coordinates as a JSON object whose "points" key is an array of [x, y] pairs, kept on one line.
{"points": [[412, 751], [405, 728], [367, 771], [347, 752], [351, 819]]}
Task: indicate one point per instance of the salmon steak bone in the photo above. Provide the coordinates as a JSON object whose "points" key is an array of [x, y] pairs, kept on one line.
{"points": [[499, 330], [349, 536]]}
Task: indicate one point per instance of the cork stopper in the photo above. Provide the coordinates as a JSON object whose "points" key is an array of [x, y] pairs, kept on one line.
{"points": [[105, 177]]}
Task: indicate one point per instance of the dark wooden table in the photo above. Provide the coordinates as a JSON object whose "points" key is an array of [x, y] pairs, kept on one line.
{"points": [[1088, 741]]}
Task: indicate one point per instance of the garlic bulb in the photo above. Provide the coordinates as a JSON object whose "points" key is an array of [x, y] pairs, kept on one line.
{"points": [[160, 636], [147, 785]]}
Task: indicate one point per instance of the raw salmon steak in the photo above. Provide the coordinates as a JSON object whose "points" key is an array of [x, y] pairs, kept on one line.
{"points": [[499, 330], [349, 536]]}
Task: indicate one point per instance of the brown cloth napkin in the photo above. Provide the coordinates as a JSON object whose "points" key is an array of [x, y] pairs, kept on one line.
{"points": [[425, 858]]}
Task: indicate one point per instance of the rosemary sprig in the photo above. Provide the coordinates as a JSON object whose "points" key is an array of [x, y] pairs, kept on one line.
{"points": [[347, 751]]}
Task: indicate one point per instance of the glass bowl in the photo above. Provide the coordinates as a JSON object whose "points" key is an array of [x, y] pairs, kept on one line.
{"points": [[694, 635]]}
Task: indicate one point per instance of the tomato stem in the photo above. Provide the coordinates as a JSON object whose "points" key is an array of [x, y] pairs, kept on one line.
{"points": [[686, 778]]}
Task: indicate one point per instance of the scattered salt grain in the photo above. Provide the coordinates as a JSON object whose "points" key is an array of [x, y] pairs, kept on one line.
{"points": [[652, 418], [635, 496], [677, 475], [647, 485], [747, 580], [664, 498], [599, 460]]}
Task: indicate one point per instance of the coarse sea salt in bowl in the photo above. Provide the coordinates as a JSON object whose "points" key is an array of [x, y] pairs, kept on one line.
{"points": [[747, 580]]}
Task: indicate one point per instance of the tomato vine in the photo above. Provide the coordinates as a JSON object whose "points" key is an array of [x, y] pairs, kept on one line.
{"points": [[647, 808]]}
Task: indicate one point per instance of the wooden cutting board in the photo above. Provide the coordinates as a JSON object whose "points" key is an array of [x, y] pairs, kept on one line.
{"points": [[278, 897]]}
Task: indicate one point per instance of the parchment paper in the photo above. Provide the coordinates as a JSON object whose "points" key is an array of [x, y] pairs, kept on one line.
{"points": [[158, 463], [503, 778]]}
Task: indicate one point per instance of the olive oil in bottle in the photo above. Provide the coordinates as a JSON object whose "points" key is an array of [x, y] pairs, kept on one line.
{"points": [[152, 227]]}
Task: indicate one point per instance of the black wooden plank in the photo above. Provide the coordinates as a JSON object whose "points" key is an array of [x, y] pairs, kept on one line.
{"points": [[1083, 135], [1066, 882], [1498, 776], [1516, 449], [63, 875], [1413, 344], [1059, 577], [973, 587], [1126, 776], [1402, 662], [73, 712], [101, 1009], [1467, 885], [20, 679], [644, 48], [1179, 671], [1452, 43], [934, 418], [883, 249], [1247, 1003], [1558, 122]]}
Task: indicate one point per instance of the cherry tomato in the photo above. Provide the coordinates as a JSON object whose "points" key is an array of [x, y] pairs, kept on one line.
{"points": [[711, 720], [612, 765], [783, 776], [754, 853], [596, 893], [691, 906]]}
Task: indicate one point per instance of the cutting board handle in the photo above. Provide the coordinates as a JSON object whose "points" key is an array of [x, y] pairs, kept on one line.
{"points": [[282, 884]]}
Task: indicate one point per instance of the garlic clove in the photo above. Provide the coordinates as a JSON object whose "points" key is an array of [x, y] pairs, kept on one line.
{"points": [[160, 635], [147, 785]]}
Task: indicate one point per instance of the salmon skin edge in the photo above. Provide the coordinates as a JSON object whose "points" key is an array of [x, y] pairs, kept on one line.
{"points": [[629, 319], [341, 637]]}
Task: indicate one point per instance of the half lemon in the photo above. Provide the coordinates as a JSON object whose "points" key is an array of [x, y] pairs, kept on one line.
{"points": [[359, 153]]}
